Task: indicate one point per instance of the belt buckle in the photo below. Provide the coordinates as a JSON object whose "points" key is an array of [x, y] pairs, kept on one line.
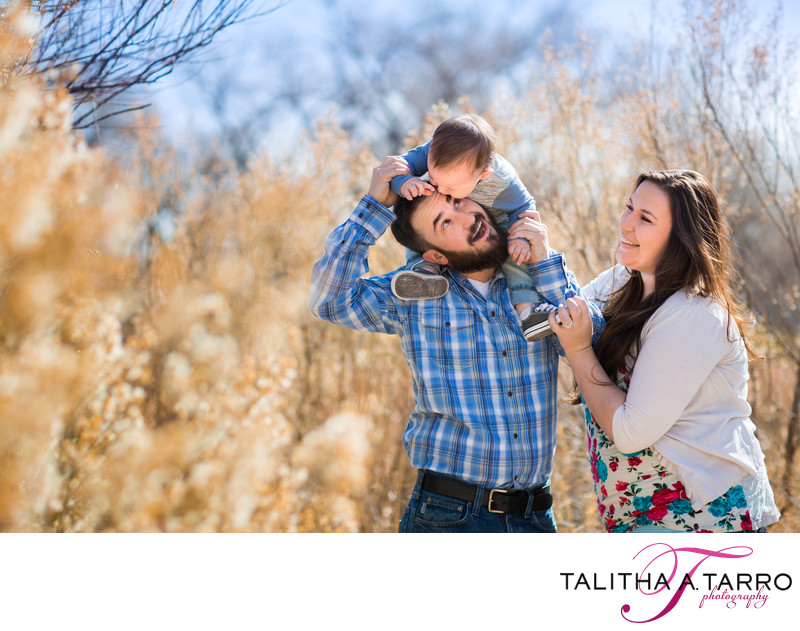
{"points": [[491, 499]]}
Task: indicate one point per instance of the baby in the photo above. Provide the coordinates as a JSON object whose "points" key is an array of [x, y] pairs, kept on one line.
{"points": [[461, 161]]}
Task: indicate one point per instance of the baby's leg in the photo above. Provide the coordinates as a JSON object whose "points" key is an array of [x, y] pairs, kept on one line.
{"points": [[532, 309]]}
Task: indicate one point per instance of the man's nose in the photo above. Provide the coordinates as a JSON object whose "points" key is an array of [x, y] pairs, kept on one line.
{"points": [[465, 218]]}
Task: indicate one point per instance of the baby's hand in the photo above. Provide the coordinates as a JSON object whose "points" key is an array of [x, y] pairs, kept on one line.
{"points": [[519, 250], [530, 227], [414, 187]]}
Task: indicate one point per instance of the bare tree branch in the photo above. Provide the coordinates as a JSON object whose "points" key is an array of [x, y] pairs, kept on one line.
{"points": [[101, 48]]}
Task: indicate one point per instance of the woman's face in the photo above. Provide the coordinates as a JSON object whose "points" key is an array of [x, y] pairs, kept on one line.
{"points": [[644, 229]]}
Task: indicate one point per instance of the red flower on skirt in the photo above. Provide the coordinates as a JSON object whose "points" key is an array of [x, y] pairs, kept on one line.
{"points": [[657, 513], [665, 496]]}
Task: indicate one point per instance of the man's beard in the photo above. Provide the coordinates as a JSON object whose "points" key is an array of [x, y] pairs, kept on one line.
{"points": [[478, 260]]}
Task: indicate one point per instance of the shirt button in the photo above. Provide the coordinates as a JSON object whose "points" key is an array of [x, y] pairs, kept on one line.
{"points": [[447, 324], [360, 215], [515, 434], [509, 393], [492, 313], [504, 353]]}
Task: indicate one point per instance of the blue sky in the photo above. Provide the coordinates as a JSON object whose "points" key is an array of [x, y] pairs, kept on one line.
{"points": [[292, 34]]}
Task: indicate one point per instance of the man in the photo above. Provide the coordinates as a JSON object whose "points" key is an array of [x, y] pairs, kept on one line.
{"points": [[482, 433]]}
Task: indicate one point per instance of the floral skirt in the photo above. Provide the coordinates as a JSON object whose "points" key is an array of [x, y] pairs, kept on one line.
{"points": [[636, 490]]}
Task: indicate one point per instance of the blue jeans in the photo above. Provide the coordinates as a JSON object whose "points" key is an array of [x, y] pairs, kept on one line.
{"points": [[430, 512]]}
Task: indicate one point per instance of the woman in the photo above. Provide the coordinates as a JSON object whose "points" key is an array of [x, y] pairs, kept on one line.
{"points": [[672, 448]]}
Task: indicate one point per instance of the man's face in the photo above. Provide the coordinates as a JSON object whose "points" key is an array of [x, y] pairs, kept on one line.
{"points": [[462, 231]]}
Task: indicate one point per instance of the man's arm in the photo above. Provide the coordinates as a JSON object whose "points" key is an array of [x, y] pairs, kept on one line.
{"points": [[556, 283], [548, 268], [338, 293]]}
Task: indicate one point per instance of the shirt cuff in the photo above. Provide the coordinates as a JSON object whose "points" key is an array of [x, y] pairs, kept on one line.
{"points": [[372, 216], [551, 278], [553, 262]]}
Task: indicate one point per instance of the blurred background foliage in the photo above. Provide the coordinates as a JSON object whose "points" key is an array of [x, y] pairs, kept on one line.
{"points": [[159, 370]]}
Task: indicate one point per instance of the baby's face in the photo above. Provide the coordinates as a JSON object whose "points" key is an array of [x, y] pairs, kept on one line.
{"points": [[455, 180]]}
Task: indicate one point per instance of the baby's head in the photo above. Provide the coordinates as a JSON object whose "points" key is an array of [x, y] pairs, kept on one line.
{"points": [[461, 154]]}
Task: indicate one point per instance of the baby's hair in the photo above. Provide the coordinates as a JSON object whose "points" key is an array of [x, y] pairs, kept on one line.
{"points": [[465, 139]]}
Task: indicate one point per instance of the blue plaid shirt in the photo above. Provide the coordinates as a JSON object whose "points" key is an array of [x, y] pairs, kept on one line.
{"points": [[485, 397]]}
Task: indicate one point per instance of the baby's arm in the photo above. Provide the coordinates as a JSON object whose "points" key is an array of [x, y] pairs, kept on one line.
{"points": [[417, 161], [414, 187]]}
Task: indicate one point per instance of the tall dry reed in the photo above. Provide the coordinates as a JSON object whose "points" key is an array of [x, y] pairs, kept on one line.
{"points": [[155, 382]]}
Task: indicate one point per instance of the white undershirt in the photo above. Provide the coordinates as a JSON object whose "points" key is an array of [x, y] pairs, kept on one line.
{"points": [[482, 287]]}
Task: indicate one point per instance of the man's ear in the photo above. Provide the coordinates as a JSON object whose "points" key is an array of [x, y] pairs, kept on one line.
{"points": [[434, 256]]}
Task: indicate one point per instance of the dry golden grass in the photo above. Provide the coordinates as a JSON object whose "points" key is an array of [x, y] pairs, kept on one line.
{"points": [[189, 389]]}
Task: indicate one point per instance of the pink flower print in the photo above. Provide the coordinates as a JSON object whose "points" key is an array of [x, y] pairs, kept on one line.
{"points": [[657, 513], [595, 477], [678, 486], [665, 496]]}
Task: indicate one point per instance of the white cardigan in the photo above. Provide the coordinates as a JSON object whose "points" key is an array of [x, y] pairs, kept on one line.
{"points": [[688, 393]]}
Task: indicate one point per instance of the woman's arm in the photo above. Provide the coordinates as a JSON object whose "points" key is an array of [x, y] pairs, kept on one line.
{"points": [[681, 345], [575, 335]]}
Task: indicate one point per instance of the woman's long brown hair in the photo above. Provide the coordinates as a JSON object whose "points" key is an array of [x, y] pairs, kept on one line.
{"points": [[697, 259]]}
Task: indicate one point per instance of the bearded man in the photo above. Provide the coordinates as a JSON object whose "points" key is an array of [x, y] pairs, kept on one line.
{"points": [[482, 433]]}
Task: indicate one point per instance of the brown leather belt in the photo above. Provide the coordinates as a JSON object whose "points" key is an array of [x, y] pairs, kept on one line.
{"points": [[512, 501]]}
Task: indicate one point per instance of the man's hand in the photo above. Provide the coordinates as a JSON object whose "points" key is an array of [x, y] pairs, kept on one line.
{"points": [[415, 187], [382, 174], [530, 228]]}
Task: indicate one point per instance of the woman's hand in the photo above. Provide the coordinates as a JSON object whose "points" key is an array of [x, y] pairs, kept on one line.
{"points": [[573, 326]]}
